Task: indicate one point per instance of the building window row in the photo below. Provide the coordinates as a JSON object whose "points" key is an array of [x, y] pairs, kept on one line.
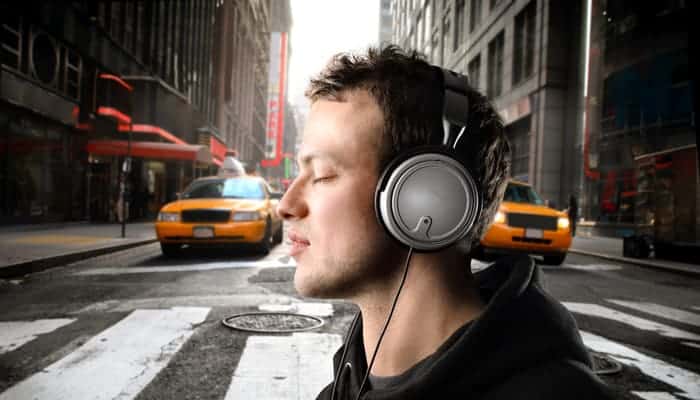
{"points": [[37, 55]]}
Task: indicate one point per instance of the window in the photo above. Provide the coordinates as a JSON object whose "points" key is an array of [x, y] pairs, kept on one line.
{"points": [[459, 25], [495, 67], [474, 70], [524, 46], [11, 43], [72, 73], [474, 15]]}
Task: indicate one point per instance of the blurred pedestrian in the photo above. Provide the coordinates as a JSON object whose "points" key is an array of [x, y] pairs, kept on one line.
{"points": [[573, 214]]}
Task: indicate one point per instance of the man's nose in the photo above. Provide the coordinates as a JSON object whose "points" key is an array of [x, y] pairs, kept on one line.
{"points": [[292, 205]]}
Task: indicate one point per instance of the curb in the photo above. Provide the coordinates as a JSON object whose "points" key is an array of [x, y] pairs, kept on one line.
{"points": [[41, 264], [647, 264]]}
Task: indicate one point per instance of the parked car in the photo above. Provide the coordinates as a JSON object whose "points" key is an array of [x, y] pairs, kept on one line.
{"points": [[221, 210], [525, 224]]}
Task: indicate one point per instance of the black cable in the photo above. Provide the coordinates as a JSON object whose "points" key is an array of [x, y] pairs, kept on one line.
{"points": [[386, 324]]}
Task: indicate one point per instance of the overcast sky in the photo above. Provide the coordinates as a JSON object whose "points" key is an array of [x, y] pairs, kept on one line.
{"points": [[322, 28]]}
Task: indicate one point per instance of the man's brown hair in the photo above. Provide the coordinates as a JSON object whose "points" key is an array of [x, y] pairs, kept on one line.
{"points": [[409, 91]]}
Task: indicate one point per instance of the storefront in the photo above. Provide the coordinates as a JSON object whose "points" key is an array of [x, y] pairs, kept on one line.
{"points": [[640, 155], [158, 172], [42, 169]]}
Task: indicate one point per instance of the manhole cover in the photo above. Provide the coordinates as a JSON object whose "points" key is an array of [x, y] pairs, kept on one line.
{"points": [[272, 322], [604, 365]]}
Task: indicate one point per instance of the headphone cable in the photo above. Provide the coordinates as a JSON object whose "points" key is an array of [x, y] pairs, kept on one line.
{"points": [[386, 324]]}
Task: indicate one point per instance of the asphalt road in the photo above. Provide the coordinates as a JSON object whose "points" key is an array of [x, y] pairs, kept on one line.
{"points": [[136, 325]]}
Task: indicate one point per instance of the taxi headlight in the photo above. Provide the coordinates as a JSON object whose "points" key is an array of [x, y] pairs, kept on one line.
{"points": [[562, 223], [246, 216], [500, 218], [168, 217]]}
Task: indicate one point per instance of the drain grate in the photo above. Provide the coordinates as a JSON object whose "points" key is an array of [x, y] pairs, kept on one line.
{"points": [[272, 322], [604, 365]]}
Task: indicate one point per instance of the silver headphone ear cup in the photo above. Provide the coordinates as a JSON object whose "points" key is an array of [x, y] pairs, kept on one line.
{"points": [[428, 201]]}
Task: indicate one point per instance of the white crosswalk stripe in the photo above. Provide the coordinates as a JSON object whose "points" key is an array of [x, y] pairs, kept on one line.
{"points": [[596, 310], [686, 381], [16, 333], [660, 311], [655, 395], [117, 363], [292, 367]]}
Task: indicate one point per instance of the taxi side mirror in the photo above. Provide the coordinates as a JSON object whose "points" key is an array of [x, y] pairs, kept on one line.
{"points": [[276, 195]]}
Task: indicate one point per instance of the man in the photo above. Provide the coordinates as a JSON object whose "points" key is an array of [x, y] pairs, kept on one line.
{"points": [[452, 335], [573, 213]]}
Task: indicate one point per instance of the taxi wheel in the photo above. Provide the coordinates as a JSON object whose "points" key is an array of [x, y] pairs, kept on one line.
{"points": [[170, 249], [555, 260], [266, 243]]}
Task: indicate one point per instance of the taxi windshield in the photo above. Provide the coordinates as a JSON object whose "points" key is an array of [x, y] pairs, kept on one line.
{"points": [[225, 189], [522, 194]]}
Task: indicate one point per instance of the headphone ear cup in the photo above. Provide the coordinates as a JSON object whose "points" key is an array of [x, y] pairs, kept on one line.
{"points": [[427, 200]]}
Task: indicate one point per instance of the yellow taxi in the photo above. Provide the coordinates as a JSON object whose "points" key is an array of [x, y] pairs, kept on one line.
{"points": [[524, 224], [221, 210]]}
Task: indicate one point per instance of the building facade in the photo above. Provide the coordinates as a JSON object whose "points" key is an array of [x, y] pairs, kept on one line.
{"points": [[169, 86], [575, 93]]}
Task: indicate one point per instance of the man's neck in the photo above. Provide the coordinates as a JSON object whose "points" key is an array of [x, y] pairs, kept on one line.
{"points": [[438, 298]]}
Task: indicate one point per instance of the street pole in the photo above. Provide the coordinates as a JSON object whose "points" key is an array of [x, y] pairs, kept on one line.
{"points": [[126, 169]]}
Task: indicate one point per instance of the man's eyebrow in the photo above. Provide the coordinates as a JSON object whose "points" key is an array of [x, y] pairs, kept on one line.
{"points": [[305, 159]]}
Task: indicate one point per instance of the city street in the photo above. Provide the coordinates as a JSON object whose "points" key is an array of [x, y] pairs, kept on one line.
{"points": [[134, 324]]}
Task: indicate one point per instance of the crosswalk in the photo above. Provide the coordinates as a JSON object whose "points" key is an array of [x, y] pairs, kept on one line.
{"points": [[120, 361]]}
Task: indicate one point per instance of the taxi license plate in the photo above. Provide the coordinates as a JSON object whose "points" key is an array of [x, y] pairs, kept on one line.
{"points": [[534, 233], [203, 232]]}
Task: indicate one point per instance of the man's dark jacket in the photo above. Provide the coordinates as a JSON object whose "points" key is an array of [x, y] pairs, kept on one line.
{"points": [[524, 346]]}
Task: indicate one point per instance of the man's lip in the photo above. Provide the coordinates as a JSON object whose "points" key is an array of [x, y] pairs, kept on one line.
{"points": [[297, 238]]}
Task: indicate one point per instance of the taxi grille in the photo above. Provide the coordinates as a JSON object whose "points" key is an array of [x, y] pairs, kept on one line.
{"points": [[206, 215], [532, 221]]}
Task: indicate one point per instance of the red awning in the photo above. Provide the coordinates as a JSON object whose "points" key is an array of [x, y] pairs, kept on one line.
{"points": [[153, 150]]}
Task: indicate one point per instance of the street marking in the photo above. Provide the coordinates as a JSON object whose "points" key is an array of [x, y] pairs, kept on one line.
{"points": [[58, 239], [679, 378], [655, 395], [690, 344], [591, 267], [313, 309], [639, 323], [16, 333], [117, 363], [660, 311], [186, 267], [284, 367], [238, 300]]}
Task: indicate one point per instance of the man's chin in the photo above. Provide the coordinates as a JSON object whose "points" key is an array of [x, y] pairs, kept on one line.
{"points": [[308, 286]]}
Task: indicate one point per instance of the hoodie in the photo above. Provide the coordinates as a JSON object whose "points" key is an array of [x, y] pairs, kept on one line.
{"points": [[525, 345]]}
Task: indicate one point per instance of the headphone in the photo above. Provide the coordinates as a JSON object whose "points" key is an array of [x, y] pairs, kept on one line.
{"points": [[426, 198]]}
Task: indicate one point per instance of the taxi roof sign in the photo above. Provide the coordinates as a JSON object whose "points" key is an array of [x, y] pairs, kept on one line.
{"points": [[232, 167]]}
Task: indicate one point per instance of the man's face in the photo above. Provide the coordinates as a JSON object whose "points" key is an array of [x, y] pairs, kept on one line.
{"points": [[339, 246]]}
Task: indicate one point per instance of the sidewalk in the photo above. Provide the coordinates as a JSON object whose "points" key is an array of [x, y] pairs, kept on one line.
{"points": [[31, 248], [611, 249]]}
